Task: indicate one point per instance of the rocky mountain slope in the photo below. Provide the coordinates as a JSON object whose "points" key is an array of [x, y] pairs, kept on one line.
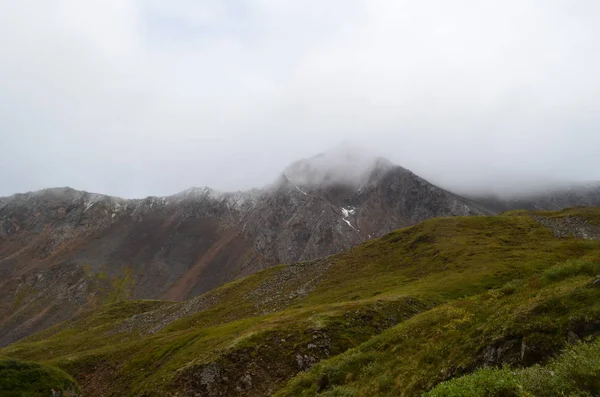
{"points": [[63, 251], [395, 316]]}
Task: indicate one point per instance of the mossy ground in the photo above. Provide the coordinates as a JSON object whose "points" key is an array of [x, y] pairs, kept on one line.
{"points": [[395, 316], [24, 379]]}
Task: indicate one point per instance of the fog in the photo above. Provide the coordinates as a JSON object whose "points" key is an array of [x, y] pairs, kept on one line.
{"points": [[137, 98]]}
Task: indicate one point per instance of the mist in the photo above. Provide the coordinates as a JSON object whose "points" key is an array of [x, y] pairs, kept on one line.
{"points": [[137, 98]]}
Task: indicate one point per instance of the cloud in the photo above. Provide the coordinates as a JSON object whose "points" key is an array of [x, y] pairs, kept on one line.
{"points": [[140, 98]]}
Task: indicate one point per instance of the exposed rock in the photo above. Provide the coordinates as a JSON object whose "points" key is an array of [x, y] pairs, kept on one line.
{"points": [[573, 337], [507, 351], [570, 226], [289, 285], [209, 375], [300, 361]]}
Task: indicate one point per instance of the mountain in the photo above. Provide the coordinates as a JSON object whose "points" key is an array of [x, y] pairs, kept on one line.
{"points": [[63, 251], [574, 195], [457, 306]]}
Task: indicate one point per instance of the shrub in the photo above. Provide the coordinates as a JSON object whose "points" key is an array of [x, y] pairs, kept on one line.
{"points": [[19, 379], [483, 383], [576, 372], [571, 268]]}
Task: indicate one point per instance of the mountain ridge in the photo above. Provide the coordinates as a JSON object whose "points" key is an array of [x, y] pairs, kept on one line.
{"points": [[76, 249]]}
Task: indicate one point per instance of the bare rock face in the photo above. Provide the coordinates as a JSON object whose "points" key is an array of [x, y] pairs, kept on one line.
{"points": [[63, 250], [570, 226]]}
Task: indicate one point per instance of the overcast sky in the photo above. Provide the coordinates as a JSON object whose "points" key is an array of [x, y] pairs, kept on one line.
{"points": [[137, 98]]}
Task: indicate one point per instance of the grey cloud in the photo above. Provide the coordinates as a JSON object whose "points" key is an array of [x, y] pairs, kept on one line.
{"points": [[137, 98]]}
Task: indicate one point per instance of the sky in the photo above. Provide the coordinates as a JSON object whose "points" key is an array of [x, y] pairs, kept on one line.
{"points": [[142, 97]]}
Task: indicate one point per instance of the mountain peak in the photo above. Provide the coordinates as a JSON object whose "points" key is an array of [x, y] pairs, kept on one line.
{"points": [[346, 164]]}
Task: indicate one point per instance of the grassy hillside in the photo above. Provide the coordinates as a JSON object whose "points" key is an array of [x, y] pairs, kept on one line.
{"points": [[521, 323], [395, 316]]}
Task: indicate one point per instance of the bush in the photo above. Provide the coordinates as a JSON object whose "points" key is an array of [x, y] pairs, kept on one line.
{"points": [[511, 287], [571, 268], [20, 379], [483, 383], [576, 372]]}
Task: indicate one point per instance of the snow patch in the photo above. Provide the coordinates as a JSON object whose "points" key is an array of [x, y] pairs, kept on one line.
{"points": [[349, 224], [348, 211], [302, 191], [89, 205]]}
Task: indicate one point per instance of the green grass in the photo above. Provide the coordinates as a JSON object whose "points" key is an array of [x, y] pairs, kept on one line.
{"points": [[576, 372], [447, 258], [395, 316], [571, 268], [25, 379], [455, 338]]}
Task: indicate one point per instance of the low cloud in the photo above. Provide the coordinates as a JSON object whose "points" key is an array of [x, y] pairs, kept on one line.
{"points": [[137, 98]]}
